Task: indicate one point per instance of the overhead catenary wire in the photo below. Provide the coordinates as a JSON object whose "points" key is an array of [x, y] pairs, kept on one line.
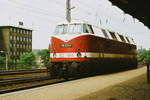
{"points": [[35, 11]]}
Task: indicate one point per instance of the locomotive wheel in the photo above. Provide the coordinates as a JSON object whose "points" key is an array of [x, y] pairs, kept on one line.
{"points": [[51, 70], [84, 70], [72, 71]]}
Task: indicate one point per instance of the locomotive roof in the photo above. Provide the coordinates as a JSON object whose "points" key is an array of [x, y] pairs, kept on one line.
{"points": [[84, 22], [72, 22]]}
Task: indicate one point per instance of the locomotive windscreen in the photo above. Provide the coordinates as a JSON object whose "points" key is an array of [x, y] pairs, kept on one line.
{"points": [[70, 29]]}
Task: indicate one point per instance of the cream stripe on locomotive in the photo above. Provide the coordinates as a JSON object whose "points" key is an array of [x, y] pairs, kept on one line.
{"points": [[91, 55]]}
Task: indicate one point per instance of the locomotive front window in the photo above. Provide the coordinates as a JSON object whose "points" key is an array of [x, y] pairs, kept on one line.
{"points": [[61, 29], [75, 28]]}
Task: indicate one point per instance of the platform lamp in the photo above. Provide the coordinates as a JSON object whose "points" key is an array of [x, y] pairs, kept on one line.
{"points": [[6, 54]]}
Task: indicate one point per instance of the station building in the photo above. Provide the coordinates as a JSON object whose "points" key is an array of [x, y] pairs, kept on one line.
{"points": [[15, 41]]}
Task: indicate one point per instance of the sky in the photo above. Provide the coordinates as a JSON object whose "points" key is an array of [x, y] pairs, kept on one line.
{"points": [[42, 17]]}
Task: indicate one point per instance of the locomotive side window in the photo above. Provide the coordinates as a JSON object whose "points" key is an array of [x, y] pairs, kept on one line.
{"points": [[131, 40], [61, 29], [127, 39], [98, 31], [75, 28], [87, 29], [122, 38], [105, 34], [113, 35]]}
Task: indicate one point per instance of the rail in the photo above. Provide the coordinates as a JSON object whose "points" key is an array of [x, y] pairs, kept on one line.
{"points": [[2, 73]]}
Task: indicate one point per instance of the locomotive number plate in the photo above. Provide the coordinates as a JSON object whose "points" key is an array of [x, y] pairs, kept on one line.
{"points": [[65, 45]]}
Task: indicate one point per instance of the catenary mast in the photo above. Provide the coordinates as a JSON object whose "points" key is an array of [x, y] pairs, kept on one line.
{"points": [[68, 11]]}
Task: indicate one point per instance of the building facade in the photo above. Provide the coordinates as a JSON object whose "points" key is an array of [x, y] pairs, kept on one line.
{"points": [[15, 41]]}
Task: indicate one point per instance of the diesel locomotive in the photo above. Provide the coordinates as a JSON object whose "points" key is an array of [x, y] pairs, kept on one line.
{"points": [[82, 49]]}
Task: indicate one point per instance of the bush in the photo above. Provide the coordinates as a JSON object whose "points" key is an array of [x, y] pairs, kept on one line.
{"points": [[27, 61]]}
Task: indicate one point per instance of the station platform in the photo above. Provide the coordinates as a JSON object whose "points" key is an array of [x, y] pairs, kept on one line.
{"points": [[102, 87]]}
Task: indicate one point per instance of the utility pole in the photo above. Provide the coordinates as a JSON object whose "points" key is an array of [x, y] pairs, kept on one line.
{"points": [[6, 61], [68, 11]]}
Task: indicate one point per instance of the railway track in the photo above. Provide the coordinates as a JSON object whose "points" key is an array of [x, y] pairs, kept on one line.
{"points": [[10, 84], [19, 80], [22, 73]]}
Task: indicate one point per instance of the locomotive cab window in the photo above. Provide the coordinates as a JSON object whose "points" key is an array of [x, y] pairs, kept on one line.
{"points": [[61, 29], [87, 29], [75, 28]]}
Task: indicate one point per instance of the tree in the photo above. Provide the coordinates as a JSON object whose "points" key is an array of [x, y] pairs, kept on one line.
{"points": [[3, 62], [143, 53], [27, 60], [148, 55], [45, 55]]}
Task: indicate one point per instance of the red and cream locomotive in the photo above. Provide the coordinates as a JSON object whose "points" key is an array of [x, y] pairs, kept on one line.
{"points": [[81, 49]]}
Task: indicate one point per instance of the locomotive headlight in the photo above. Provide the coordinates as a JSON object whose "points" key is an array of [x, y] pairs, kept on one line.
{"points": [[79, 53]]}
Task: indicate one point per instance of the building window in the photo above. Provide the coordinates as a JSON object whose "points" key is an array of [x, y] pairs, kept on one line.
{"points": [[17, 45], [23, 31], [14, 45], [14, 37], [24, 46], [27, 32], [30, 47], [17, 53], [11, 29], [10, 37], [20, 38], [17, 38], [24, 39], [20, 31], [14, 30], [30, 40], [10, 53], [17, 30], [27, 39], [20, 45], [10, 45]]}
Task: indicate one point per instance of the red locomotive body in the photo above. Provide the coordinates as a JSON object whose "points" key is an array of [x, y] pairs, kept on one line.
{"points": [[80, 49]]}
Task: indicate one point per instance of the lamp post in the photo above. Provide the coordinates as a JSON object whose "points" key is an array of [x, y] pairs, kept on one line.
{"points": [[6, 54]]}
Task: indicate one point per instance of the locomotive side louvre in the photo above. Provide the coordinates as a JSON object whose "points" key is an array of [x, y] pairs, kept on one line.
{"points": [[83, 48]]}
